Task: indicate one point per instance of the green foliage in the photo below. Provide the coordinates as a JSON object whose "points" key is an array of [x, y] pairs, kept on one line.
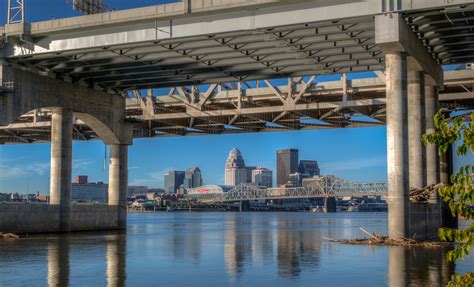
{"points": [[459, 194]]}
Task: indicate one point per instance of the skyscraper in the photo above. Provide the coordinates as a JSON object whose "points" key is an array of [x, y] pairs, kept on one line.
{"points": [[262, 177], [249, 173], [287, 163], [308, 168], [192, 177], [235, 171], [173, 180]]}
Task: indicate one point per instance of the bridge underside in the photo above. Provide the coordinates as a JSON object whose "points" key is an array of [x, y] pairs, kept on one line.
{"points": [[287, 40], [303, 104]]}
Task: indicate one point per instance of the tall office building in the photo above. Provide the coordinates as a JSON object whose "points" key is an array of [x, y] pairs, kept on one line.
{"points": [[192, 177], [262, 177], [250, 169], [235, 171], [287, 163], [308, 168], [173, 180]]}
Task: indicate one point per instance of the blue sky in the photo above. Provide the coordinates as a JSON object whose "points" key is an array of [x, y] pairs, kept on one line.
{"points": [[357, 154]]}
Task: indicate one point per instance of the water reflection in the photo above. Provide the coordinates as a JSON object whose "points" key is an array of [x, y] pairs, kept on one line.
{"points": [[116, 266], [58, 261], [221, 250], [419, 266], [58, 258]]}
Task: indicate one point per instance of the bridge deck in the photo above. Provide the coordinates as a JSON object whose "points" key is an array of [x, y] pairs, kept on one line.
{"points": [[177, 44], [224, 109]]}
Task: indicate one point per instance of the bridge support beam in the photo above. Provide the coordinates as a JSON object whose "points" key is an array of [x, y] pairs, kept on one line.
{"points": [[416, 120], [397, 145], [118, 182], [432, 157], [244, 205], [330, 205], [61, 165], [404, 51]]}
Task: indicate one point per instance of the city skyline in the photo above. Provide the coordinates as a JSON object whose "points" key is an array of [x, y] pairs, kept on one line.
{"points": [[150, 159]]}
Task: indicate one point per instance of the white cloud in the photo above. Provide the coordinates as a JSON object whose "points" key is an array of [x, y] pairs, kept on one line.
{"points": [[24, 170], [81, 163]]}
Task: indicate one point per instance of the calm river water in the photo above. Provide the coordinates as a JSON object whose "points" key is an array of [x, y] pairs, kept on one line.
{"points": [[224, 249]]}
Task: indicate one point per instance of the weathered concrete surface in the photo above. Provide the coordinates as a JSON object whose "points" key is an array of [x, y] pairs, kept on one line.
{"points": [[103, 112], [61, 164], [118, 182], [397, 145], [425, 219], [43, 218], [432, 157], [416, 120], [330, 205], [393, 35]]}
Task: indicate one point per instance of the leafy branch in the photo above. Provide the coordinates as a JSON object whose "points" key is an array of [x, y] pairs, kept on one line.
{"points": [[459, 194]]}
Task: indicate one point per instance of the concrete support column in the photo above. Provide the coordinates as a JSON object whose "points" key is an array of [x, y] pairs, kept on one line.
{"points": [[330, 205], [118, 182], [397, 145], [416, 117], [61, 164], [432, 158]]}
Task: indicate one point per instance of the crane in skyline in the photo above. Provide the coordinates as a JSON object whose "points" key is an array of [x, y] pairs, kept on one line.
{"points": [[16, 8]]}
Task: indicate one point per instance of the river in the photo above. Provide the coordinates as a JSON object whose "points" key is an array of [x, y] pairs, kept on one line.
{"points": [[225, 249]]}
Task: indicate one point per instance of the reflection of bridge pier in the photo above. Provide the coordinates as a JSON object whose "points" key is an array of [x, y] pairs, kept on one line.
{"points": [[59, 253], [116, 261], [418, 266], [58, 262]]}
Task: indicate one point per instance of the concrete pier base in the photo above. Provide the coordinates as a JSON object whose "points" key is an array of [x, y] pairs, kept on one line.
{"points": [[416, 118], [397, 145], [118, 182], [61, 164], [43, 218], [244, 205], [330, 205]]}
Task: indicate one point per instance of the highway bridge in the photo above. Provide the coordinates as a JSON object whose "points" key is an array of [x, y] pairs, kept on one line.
{"points": [[303, 103], [323, 187], [84, 78]]}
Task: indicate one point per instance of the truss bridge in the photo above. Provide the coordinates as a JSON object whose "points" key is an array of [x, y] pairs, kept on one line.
{"points": [[326, 186]]}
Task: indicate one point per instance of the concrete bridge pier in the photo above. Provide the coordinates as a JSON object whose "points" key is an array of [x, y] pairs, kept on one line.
{"points": [[244, 205], [416, 119], [330, 205], [397, 144], [408, 68], [432, 157], [61, 165], [118, 182]]}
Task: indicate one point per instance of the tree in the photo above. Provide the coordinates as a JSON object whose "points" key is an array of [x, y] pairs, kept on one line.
{"points": [[459, 193]]}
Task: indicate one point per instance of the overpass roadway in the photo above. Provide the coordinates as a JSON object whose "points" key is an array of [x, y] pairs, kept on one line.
{"points": [[244, 108], [196, 42]]}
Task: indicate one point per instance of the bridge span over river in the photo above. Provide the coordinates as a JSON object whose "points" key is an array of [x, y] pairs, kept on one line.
{"points": [[83, 78], [323, 187]]}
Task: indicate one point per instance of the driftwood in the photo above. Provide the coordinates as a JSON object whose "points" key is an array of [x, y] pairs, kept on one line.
{"points": [[9, 236], [422, 195], [375, 239]]}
